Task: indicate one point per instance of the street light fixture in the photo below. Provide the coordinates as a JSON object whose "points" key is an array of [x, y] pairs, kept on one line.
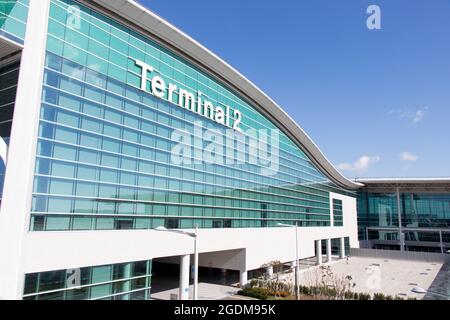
{"points": [[297, 287], [193, 235]]}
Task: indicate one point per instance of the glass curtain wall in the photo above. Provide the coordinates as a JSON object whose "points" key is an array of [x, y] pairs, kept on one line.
{"points": [[418, 210], [125, 281], [104, 148], [9, 75], [13, 19]]}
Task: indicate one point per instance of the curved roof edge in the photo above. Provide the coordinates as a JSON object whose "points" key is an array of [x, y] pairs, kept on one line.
{"points": [[151, 23], [404, 180]]}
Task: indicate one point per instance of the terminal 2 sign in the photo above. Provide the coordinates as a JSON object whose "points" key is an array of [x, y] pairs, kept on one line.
{"points": [[195, 103]]}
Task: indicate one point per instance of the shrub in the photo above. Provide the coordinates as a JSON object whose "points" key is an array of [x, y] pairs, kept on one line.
{"points": [[364, 296], [331, 292], [379, 296], [305, 290], [258, 293], [281, 294], [351, 295]]}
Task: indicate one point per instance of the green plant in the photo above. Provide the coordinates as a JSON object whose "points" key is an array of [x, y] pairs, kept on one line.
{"points": [[379, 296], [351, 295], [305, 290], [258, 293], [281, 294], [364, 296]]}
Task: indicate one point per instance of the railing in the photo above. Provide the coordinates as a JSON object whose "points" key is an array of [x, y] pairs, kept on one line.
{"points": [[401, 255]]}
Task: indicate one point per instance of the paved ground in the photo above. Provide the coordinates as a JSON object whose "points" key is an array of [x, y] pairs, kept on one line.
{"points": [[213, 284], [372, 275], [239, 298], [206, 291], [440, 289]]}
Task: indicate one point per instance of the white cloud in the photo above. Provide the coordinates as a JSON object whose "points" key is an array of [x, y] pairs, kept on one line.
{"points": [[415, 116], [419, 115], [360, 165], [407, 156]]}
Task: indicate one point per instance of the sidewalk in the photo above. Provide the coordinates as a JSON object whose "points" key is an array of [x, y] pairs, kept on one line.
{"points": [[206, 291]]}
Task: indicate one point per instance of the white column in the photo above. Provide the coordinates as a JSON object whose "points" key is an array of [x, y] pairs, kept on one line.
{"points": [[3, 151], [16, 202], [195, 293], [342, 248], [184, 278], [126, 285], [328, 250], [401, 235], [293, 264], [243, 278], [269, 271], [192, 272], [319, 252]]}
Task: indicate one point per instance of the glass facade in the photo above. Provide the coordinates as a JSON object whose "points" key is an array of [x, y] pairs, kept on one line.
{"points": [[418, 210], [13, 19], [338, 213], [125, 281], [377, 209], [9, 75], [336, 246], [104, 148]]}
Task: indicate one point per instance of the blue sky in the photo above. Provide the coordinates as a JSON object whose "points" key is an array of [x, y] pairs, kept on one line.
{"points": [[376, 102]]}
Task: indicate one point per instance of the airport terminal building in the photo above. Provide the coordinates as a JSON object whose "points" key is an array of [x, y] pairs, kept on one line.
{"points": [[117, 130], [405, 214]]}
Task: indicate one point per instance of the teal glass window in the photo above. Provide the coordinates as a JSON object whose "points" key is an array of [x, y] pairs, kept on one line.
{"points": [[116, 142], [13, 19], [338, 215], [97, 282]]}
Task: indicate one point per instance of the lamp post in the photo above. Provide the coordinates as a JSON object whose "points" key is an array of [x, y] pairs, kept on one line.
{"points": [[193, 235], [297, 289]]}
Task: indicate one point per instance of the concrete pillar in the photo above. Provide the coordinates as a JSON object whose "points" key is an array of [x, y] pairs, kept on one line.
{"points": [[293, 264], [192, 272], [184, 278], [319, 252], [269, 271], [328, 250], [243, 278], [19, 174], [400, 223], [127, 285], [342, 248]]}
